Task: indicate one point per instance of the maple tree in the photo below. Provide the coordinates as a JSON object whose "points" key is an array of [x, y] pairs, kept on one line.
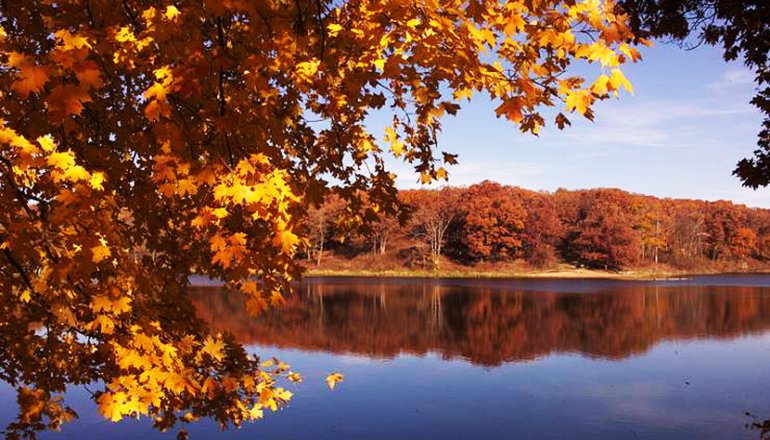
{"points": [[606, 237], [543, 231], [200, 132], [493, 222]]}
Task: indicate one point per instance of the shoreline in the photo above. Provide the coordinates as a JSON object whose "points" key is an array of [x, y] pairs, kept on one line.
{"points": [[553, 274], [577, 273]]}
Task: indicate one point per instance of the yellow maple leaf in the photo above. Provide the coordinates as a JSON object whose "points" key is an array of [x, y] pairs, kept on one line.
{"points": [[172, 13], [101, 303], [72, 41], [413, 23], [76, 173], [577, 100], [238, 239], [121, 305], [631, 52], [201, 221], [618, 79], [286, 240], [276, 298], [396, 146], [125, 35], [214, 348], [100, 253], [224, 257], [334, 29], [600, 85], [379, 64], [306, 70], [47, 143], [104, 323], [466, 93], [96, 181], [151, 397], [332, 379], [220, 213], [187, 186], [110, 405], [256, 412], [163, 73], [62, 160]]}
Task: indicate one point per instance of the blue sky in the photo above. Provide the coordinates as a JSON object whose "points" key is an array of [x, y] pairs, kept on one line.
{"points": [[680, 135]]}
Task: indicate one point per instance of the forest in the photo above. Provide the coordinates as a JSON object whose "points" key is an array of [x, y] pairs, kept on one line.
{"points": [[607, 229]]}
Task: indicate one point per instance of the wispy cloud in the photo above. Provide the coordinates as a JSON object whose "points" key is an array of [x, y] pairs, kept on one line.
{"points": [[657, 123], [730, 80]]}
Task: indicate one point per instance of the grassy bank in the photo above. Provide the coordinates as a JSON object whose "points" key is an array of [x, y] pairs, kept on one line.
{"points": [[518, 270]]}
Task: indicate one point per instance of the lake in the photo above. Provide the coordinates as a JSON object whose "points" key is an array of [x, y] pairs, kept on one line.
{"points": [[498, 359]]}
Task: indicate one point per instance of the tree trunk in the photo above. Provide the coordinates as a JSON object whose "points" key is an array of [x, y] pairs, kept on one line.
{"points": [[320, 254]]}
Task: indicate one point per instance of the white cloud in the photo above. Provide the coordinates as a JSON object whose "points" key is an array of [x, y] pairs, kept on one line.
{"points": [[657, 123], [730, 80]]}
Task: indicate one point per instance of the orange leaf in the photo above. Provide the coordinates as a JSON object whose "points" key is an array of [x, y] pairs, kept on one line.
{"points": [[66, 100], [511, 108], [155, 109], [32, 79], [89, 78]]}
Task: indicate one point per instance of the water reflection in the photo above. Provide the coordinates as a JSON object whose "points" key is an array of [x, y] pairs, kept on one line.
{"points": [[665, 361], [490, 325]]}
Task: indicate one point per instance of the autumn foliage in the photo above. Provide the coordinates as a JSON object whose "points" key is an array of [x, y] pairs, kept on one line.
{"points": [[605, 229], [494, 220], [144, 141]]}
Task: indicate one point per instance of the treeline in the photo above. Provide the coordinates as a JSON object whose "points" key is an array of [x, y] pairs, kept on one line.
{"points": [[597, 228]]}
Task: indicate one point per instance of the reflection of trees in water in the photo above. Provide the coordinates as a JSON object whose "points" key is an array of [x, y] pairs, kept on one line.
{"points": [[488, 325]]}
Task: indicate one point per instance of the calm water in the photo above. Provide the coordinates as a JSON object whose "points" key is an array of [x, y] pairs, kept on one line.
{"points": [[500, 360]]}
